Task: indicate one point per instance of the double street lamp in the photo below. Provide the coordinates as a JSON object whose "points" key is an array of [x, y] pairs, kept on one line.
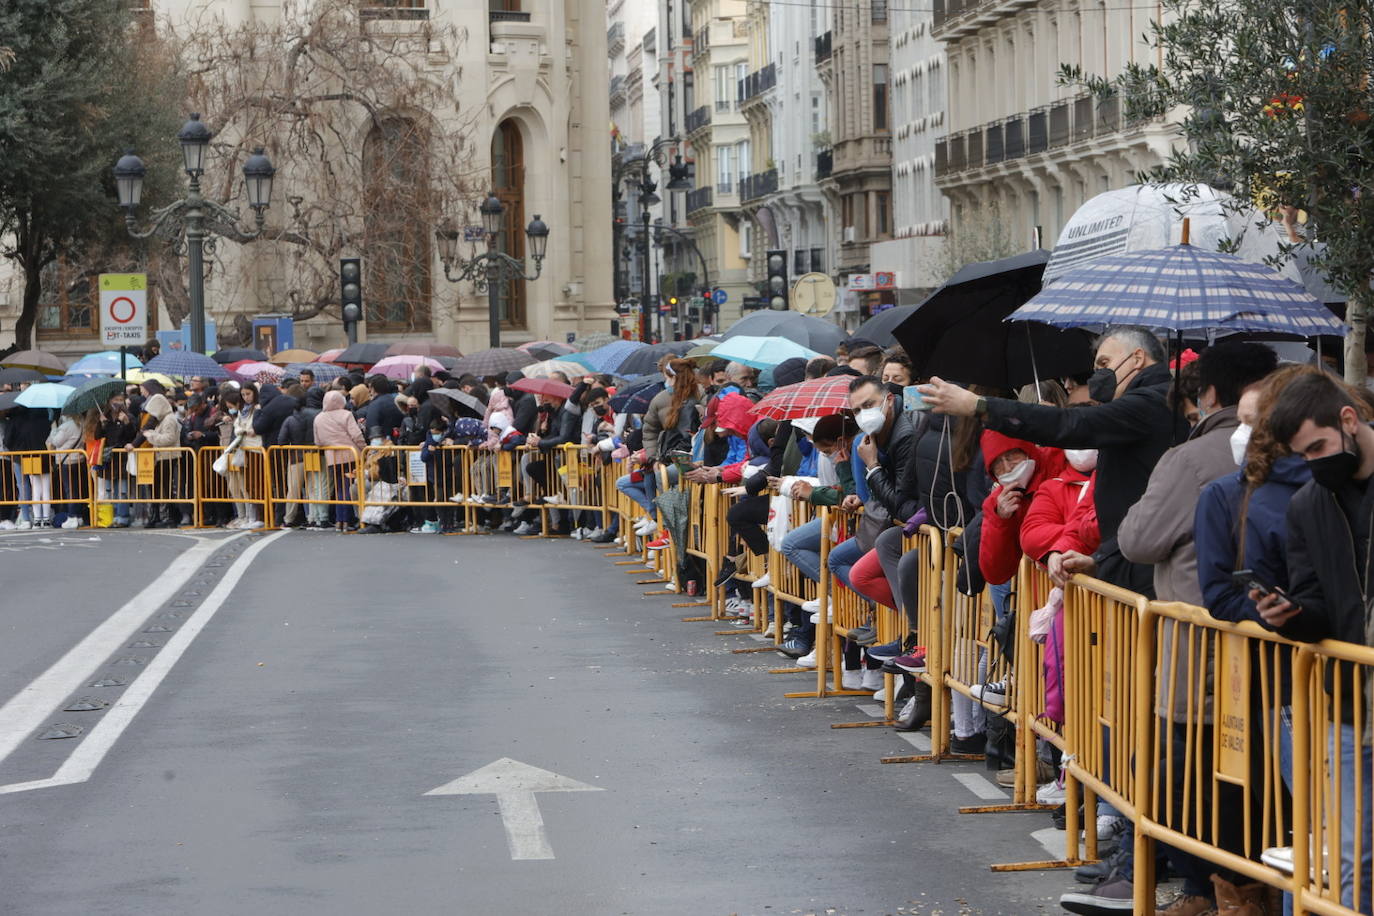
{"points": [[194, 209], [648, 197], [489, 271]]}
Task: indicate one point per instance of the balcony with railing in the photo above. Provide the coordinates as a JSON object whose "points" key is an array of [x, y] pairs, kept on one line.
{"points": [[824, 47], [394, 9], [701, 41], [954, 18], [699, 199], [508, 16], [698, 119], [757, 83], [1029, 134], [617, 89], [615, 38], [760, 184]]}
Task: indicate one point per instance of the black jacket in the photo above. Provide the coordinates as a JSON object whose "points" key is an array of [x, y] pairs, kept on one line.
{"points": [[383, 416], [1324, 553], [567, 427], [929, 478], [28, 429], [276, 407], [1130, 434], [888, 480], [299, 428], [524, 410]]}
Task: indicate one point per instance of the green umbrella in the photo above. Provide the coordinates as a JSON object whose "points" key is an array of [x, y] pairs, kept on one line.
{"points": [[95, 394]]}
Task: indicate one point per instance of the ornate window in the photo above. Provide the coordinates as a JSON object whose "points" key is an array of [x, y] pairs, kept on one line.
{"points": [[508, 181], [67, 303], [397, 282]]}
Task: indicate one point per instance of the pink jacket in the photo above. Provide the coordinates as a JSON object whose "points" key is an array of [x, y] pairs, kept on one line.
{"points": [[335, 426]]}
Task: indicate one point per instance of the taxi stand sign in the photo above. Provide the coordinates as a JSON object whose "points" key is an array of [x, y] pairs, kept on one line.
{"points": [[123, 309]]}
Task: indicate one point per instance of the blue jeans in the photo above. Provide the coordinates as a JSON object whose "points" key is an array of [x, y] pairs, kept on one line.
{"points": [[119, 486], [843, 556], [802, 548], [642, 493], [1351, 757]]}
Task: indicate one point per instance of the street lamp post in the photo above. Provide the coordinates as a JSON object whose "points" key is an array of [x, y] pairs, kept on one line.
{"points": [[194, 209], [487, 271]]}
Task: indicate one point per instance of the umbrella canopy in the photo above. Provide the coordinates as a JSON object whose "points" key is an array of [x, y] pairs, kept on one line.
{"points": [[495, 361], [702, 352], [324, 372], [93, 395], [361, 354], [18, 375], [7, 399], [645, 360], [609, 357], [960, 331], [820, 336], [294, 355], [186, 363], [237, 354], [402, 367], [544, 386], [550, 347], [38, 360], [422, 348], [817, 397], [77, 379], [549, 366], [256, 370], [328, 356], [593, 341], [760, 352], [106, 362], [635, 397], [139, 376], [45, 395], [449, 398], [881, 326], [1181, 288]]}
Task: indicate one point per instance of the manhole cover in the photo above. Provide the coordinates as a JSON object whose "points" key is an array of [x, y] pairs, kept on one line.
{"points": [[110, 682], [61, 730], [158, 628], [86, 704], [129, 660], [145, 644]]}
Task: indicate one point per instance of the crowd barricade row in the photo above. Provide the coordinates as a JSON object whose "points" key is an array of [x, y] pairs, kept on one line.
{"points": [[311, 480], [243, 484], [44, 483]]}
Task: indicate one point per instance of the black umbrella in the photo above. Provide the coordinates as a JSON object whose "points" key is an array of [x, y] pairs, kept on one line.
{"points": [[959, 332], [7, 399], [494, 361], [447, 399], [645, 360], [821, 336], [234, 354], [635, 397], [18, 375], [879, 328], [362, 354]]}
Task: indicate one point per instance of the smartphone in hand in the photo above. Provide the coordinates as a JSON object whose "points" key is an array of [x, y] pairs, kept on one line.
{"points": [[1247, 581]]}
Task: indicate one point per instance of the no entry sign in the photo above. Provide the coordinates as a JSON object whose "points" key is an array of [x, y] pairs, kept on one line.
{"points": [[123, 309]]}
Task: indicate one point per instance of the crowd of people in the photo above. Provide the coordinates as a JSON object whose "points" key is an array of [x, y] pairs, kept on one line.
{"points": [[1165, 477]]}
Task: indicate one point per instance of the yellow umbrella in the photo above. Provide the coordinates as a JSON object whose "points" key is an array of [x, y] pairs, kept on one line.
{"points": [[139, 376], [296, 355]]}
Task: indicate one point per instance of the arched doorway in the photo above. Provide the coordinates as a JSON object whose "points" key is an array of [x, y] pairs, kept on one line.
{"points": [[396, 278], [508, 182]]}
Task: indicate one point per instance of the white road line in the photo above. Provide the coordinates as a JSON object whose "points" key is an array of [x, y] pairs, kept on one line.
{"points": [[981, 786], [27, 709], [88, 754], [1052, 839], [918, 740], [876, 710]]}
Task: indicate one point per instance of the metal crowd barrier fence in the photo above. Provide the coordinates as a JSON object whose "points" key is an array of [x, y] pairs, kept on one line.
{"points": [[42, 484], [311, 481]]}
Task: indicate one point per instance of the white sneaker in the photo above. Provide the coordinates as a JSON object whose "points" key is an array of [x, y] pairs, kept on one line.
{"points": [[457, 498], [852, 680], [234, 523], [1051, 793], [873, 679], [554, 500], [596, 533], [808, 660], [994, 694], [578, 534], [763, 581], [6, 525], [880, 695], [829, 616], [253, 525], [812, 606], [72, 522], [1109, 826], [645, 526], [23, 524], [525, 528], [620, 541]]}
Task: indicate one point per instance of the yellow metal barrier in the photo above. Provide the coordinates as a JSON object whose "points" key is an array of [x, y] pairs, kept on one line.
{"points": [[40, 484], [302, 479], [244, 485]]}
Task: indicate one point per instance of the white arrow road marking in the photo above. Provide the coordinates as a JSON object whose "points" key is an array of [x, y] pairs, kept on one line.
{"points": [[514, 784]]}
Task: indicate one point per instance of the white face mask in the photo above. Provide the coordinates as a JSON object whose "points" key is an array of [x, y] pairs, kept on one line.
{"points": [[1082, 460], [871, 419], [1240, 441], [1018, 476]]}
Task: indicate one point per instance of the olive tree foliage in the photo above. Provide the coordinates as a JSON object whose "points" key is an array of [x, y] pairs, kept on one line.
{"points": [[1276, 106], [79, 79], [311, 88]]}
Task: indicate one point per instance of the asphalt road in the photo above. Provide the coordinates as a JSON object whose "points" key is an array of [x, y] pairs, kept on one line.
{"points": [[270, 749]]}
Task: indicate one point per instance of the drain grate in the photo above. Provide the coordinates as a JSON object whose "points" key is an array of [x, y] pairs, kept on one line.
{"points": [[86, 704], [110, 682], [129, 660], [61, 730]]}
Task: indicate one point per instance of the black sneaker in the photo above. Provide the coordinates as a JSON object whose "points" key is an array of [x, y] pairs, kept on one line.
{"points": [[727, 572], [1114, 894], [884, 652], [919, 714], [794, 647], [973, 744], [1094, 872], [863, 636]]}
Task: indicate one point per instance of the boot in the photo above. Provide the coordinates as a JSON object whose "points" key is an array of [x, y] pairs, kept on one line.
{"points": [[154, 516], [920, 713], [1239, 901]]}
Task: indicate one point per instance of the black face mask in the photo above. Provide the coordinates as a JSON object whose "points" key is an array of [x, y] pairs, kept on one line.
{"points": [[1335, 471], [893, 388], [1102, 383], [601, 410]]}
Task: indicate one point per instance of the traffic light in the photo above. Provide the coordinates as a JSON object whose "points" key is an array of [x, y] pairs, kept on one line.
{"points": [[777, 280], [351, 287]]}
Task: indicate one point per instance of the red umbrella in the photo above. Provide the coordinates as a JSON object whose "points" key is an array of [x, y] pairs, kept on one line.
{"points": [[544, 386], [817, 397]]}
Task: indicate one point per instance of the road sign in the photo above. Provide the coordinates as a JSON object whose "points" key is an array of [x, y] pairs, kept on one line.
{"points": [[514, 784], [720, 297], [123, 309]]}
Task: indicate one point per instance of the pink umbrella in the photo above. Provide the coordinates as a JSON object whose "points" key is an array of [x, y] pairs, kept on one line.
{"points": [[401, 367], [254, 371], [328, 356]]}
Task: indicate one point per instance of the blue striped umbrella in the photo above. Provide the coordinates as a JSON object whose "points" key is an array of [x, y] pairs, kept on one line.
{"points": [[1181, 288], [606, 358], [324, 372], [186, 363]]}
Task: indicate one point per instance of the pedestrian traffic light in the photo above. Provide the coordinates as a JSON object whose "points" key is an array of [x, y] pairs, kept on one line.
{"points": [[776, 283], [351, 287]]}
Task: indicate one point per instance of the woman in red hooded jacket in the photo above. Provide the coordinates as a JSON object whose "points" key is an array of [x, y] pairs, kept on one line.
{"points": [[1021, 469]]}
